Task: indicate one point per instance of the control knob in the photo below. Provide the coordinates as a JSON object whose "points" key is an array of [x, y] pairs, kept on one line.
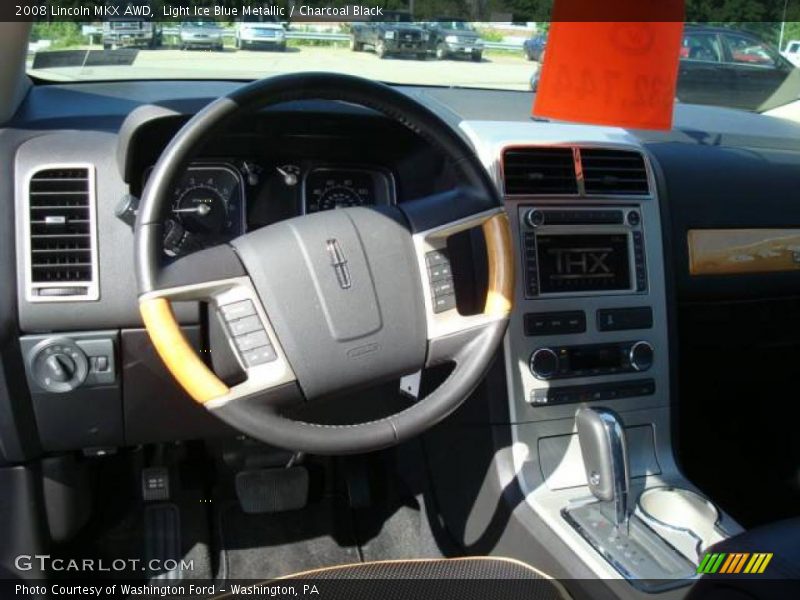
{"points": [[58, 365], [544, 363], [534, 218], [641, 356]]}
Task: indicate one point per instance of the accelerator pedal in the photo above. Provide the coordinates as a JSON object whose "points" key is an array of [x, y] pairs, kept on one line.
{"points": [[162, 541], [263, 491]]}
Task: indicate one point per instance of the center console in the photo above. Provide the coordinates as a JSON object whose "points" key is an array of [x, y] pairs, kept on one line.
{"points": [[589, 330]]}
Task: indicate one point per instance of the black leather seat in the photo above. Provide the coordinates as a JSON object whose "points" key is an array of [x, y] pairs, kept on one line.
{"points": [[781, 578], [471, 578]]}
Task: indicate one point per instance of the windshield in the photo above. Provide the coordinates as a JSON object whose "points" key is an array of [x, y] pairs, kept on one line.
{"points": [[730, 65]]}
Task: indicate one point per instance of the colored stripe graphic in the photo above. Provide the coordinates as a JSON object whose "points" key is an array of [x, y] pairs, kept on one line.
{"points": [[724, 563]]}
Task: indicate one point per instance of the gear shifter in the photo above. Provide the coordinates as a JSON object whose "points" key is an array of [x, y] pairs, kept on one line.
{"points": [[635, 550], [605, 456]]}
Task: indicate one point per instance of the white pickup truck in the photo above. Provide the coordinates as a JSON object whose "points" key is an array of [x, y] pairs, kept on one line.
{"points": [[792, 52]]}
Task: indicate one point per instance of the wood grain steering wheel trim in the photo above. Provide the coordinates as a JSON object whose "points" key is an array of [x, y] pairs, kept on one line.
{"points": [[180, 358], [499, 249]]}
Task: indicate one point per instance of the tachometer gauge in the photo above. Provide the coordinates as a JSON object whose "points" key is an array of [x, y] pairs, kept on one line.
{"points": [[208, 202], [332, 188], [201, 208]]}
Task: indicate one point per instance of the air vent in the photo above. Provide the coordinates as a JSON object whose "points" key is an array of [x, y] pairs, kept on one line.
{"points": [[62, 252], [613, 172], [537, 171]]}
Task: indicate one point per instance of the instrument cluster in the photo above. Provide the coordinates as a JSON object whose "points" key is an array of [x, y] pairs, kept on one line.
{"points": [[215, 202]]}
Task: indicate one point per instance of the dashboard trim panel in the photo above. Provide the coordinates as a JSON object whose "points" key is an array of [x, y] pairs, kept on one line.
{"points": [[743, 251]]}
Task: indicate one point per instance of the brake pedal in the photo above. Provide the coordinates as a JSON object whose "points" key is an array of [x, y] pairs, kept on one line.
{"points": [[272, 490], [155, 484]]}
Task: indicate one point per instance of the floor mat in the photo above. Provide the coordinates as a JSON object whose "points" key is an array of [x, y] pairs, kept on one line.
{"points": [[271, 545]]}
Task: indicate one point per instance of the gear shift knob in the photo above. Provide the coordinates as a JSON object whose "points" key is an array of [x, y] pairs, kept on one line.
{"points": [[605, 456]]}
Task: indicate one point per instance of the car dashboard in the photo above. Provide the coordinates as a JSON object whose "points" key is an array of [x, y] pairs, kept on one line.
{"points": [[601, 221]]}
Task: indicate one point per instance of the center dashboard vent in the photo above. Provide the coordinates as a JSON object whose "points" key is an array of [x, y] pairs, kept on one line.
{"points": [[533, 171], [613, 172], [557, 170], [62, 235]]}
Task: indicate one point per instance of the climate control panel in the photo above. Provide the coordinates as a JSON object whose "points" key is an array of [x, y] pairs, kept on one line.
{"points": [[590, 360]]}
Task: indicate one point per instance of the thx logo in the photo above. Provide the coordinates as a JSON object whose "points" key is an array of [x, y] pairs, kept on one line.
{"points": [[730, 563]]}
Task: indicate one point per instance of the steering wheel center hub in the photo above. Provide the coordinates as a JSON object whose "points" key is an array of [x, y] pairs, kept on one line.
{"points": [[344, 295]]}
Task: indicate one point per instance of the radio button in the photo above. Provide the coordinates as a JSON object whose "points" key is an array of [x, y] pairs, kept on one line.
{"points": [[544, 363], [555, 323], [620, 319]]}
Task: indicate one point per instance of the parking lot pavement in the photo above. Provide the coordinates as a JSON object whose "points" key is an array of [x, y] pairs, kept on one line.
{"points": [[499, 71]]}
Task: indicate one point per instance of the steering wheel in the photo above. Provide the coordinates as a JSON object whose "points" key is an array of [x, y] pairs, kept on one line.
{"points": [[333, 301]]}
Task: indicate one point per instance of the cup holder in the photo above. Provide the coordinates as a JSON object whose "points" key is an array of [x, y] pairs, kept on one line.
{"points": [[685, 519]]}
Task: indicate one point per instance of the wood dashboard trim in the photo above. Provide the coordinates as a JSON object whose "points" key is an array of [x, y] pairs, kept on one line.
{"points": [[743, 251]]}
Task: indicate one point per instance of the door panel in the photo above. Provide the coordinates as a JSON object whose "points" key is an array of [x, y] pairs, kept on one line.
{"points": [[759, 69], [703, 77]]}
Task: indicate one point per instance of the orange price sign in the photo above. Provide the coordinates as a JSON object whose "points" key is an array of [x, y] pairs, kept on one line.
{"points": [[621, 73]]}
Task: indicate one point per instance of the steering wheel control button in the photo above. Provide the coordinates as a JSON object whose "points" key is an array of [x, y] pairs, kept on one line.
{"points": [[443, 303], [437, 257], [443, 288], [237, 310], [620, 319], [259, 356], [544, 363], [248, 341], [440, 272], [440, 276], [245, 325], [555, 323]]}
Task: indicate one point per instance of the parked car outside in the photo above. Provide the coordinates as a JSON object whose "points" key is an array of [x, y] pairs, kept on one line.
{"points": [[124, 33], [455, 37], [394, 34], [729, 67], [725, 67], [533, 47], [260, 32], [201, 34]]}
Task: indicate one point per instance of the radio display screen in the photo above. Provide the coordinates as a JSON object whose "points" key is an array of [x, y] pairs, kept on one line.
{"points": [[583, 263]]}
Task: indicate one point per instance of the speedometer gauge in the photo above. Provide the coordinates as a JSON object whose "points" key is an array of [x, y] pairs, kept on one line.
{"points": [[332, 188]]}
